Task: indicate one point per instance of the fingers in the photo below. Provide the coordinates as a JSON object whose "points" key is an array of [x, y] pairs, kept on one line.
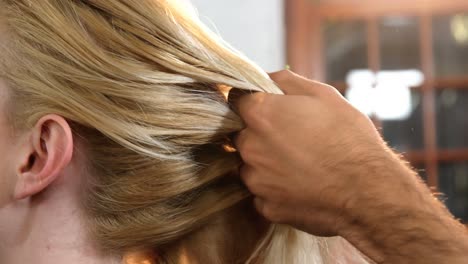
{"points": [[271, 211], [251, 179], [257, 110], [255, 107], [244, 102], [247, 176], [234, 95], [294, 84], [250, 145]]}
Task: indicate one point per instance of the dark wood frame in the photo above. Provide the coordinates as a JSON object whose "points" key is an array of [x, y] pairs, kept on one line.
{"points": [[305, 56]]}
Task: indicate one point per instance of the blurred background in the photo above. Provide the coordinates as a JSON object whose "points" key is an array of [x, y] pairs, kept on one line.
{"points": [[403, 63]]}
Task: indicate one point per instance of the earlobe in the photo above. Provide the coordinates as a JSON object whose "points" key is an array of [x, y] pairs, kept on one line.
{"points": [[47, 153]]}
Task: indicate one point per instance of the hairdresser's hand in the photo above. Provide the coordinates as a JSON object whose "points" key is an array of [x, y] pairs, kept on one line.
{"points": [[315, 162], [303, 152]]}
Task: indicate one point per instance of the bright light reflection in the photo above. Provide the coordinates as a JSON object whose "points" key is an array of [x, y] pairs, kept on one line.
{"points": [[360, 91], [459, 26], [386, 94]]}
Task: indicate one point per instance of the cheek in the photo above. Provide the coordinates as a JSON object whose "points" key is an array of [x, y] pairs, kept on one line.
{"points": [[6, 184], [7, 175], [7, 180], [7, 151]]}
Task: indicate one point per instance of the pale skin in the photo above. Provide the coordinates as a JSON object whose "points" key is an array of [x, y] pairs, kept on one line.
{"points": [[40, 220], [315, 162]]}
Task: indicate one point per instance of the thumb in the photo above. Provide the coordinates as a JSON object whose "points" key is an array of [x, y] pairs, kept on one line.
{"points": [[294, 84]]}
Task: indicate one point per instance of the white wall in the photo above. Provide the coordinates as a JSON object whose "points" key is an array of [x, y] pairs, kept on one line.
{"points": [[256, 28]]}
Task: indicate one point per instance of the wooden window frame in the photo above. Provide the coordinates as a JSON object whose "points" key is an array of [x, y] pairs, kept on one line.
{"points": [[305, 55]]}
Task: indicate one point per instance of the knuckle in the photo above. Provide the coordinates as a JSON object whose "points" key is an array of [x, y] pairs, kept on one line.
{"points": [[248, 177], [271, 213], [248, 153], [256, 187], [252, 180], [241, 139], [247, 156], [326, 89], [259, 115], [252, 113], [281, 76]]}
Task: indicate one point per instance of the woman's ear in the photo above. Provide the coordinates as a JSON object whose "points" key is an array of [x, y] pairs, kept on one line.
{"points": [[47, 152]]}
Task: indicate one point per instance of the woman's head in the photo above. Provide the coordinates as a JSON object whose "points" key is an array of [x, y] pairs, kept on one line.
{"points": [[138, 84]]}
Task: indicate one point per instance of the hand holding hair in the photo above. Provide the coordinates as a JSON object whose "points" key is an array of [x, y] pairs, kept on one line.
{"points": [[315, 162]]}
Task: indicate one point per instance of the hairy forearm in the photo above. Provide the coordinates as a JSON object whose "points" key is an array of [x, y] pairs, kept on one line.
{"points": [[404, 223]]}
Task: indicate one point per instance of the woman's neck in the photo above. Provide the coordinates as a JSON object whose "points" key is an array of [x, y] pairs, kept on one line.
{"points": [[47, 229]]}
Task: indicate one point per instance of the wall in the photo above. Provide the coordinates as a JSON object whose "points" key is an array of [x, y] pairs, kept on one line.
{"points": [[256, 28]]}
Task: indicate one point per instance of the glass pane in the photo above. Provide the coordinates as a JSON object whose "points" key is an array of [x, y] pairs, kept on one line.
{"points": [[452, 119], [453, 182], [399, 43], [451, 45], [346, 48], [407, 134]]}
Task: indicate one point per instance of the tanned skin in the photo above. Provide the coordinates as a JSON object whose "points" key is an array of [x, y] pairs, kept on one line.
{"points": [[315, 162]]}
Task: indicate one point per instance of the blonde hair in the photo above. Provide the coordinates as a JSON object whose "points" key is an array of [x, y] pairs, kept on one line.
{"points": [[139, 81]]}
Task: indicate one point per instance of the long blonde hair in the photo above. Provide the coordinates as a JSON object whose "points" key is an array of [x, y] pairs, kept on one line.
{"points": [[139, 81]]}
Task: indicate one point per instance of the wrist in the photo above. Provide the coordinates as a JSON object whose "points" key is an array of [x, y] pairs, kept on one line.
{"points": [[398, 219], [410, 237]]}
